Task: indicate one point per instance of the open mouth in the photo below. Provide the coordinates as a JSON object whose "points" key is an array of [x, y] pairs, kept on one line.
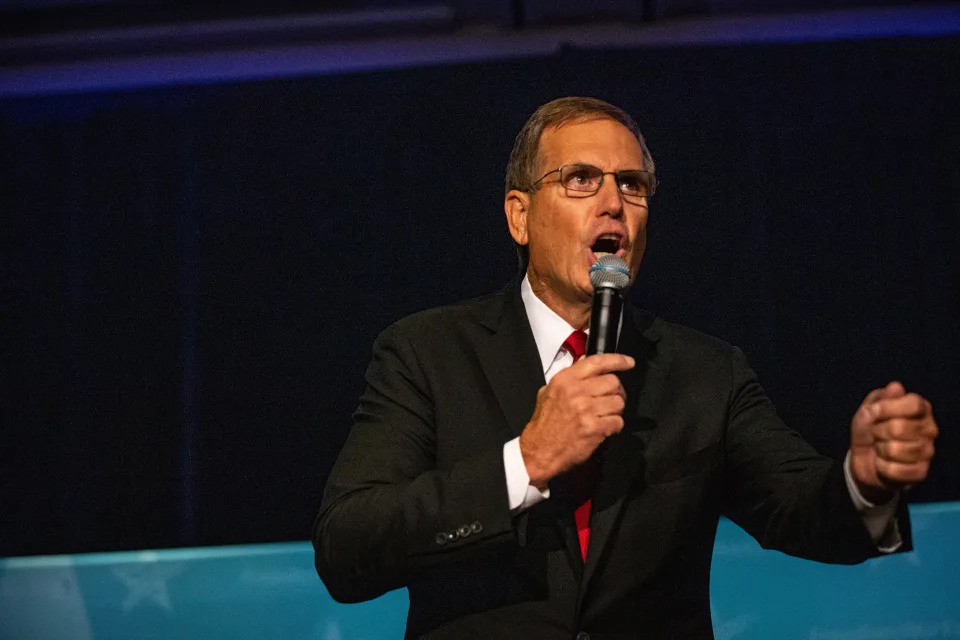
{"points": [[607, 243]]}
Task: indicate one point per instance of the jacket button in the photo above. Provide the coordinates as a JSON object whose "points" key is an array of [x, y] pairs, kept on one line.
{"points": [[583, 635], [441, 538], [451, 536], [464, 531], [476, 527]]}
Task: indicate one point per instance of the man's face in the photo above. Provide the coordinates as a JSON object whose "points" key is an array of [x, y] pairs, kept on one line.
{"points": [[561, 231]]}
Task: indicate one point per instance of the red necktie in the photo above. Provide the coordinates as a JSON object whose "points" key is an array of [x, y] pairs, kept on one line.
{"points": [[584, 476]]}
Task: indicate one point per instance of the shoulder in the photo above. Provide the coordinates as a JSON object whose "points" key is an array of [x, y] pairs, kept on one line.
{"points": [[464, 313], [685, 338], [679, 337], [449, 324], [688, 348]]}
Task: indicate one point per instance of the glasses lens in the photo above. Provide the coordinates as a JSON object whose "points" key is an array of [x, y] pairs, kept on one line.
{"points": [[636, 183], [581, 178]]}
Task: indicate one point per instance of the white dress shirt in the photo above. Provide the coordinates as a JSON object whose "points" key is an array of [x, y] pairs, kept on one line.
{"points": [[549, 332]]}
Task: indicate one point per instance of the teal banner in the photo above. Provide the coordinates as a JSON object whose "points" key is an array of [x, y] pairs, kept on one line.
{"points": [[271, 591]]}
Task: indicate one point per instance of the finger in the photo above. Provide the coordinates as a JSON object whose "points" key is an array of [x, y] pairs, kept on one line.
{"points": [[608, 405], [603, 385], [904, 429], [609, 425], [873, 396], [590, 366], [909, 405], [908, 452], [902, 472]]}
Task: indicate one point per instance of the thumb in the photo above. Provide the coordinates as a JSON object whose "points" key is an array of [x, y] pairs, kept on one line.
{"points": [[893, 389]]}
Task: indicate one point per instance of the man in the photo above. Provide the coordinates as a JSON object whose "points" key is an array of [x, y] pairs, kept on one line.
{"points": [[522, 491]]}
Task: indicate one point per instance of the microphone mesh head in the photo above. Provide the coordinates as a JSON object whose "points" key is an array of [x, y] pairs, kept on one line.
{"points": [[610, 272]]}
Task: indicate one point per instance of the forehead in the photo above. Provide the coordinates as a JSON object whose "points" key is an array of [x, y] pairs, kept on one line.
{"points": [[598, 141]]}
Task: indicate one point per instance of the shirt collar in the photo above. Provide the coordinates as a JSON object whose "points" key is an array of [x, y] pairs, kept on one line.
{"points": [[549, 329]]}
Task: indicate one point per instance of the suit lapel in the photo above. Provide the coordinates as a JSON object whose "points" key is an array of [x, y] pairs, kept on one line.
{"points": [[622, 457], [511, 364], [509, 358]]}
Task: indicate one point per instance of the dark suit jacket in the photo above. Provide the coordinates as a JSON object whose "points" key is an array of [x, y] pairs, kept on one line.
{"points": [[418, 495]]}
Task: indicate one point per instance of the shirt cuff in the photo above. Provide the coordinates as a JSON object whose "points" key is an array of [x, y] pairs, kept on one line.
{"points": [[879, 519], [520, 494]]}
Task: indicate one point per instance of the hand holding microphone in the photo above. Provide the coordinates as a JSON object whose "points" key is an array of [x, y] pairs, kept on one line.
{"points": [[583, 404]]}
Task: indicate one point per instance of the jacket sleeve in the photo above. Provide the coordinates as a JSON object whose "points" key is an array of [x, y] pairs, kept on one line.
{"points": [[781, 491], [390, 513]]}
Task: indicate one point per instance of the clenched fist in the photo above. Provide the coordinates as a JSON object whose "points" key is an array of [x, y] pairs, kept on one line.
{"points": [[582, 405], [891, 442]]}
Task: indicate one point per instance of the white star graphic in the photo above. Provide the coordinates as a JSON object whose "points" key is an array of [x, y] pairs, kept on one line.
{"points": [[147, 582]]}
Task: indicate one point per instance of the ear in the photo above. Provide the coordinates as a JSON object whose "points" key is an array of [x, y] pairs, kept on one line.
{"points": [[516, 205]]}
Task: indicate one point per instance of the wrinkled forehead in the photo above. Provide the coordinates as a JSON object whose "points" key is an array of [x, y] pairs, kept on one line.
{"points": [[597, 140]]}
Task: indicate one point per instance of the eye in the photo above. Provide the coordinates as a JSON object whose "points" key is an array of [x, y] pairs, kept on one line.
{"points": [[633, 183], [581, 177]]}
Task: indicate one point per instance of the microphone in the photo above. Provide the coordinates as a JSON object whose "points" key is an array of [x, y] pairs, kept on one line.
{"points": [[609, 276]]}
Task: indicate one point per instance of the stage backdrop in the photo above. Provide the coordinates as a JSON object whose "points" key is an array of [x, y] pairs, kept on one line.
{"points": [[193, 276]]}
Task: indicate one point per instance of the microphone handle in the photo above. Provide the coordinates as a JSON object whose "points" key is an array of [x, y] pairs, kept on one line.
{"points": [[604, 321]]}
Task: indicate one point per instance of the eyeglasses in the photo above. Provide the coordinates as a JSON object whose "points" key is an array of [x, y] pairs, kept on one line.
{"points": [[585, 180]]}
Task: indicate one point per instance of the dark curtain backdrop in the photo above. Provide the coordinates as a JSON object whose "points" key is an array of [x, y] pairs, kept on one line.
{"points": [[193, 276]]}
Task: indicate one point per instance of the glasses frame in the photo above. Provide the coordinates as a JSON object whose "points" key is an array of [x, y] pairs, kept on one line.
{"points": [[654, 183]]}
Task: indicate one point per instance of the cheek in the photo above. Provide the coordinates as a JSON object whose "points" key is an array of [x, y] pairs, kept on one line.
{"points": [[639, 246], [558, 234], [641, 238], [640, 231]]}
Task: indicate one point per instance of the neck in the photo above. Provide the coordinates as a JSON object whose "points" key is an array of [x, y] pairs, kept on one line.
{"points": [[576, 313]]}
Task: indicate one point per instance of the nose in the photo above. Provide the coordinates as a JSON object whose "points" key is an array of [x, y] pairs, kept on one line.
{"points": [[611, 200]]}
